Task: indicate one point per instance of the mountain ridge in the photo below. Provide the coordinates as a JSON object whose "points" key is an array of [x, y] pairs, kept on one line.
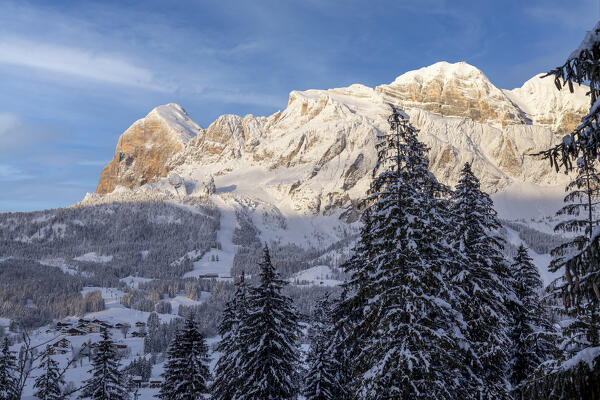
{"points": [[316, 155]]}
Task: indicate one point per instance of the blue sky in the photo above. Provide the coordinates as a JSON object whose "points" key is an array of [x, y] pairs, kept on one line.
{"points": [[75, 75]]}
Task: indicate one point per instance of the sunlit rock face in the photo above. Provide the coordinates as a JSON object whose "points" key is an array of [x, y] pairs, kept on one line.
{"points": [[317, 155], [144, 148], [453, 90]]}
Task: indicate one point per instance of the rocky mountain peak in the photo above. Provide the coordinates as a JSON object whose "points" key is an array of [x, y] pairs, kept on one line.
{"points": [[453, 90], [144, 148], [542, 104]]}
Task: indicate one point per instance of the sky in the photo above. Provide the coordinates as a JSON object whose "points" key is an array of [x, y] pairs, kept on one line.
{"points": [[75, 75]]}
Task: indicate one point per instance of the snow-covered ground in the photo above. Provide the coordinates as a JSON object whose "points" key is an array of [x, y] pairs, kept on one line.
{"points": [[134, 281], [93, 257], [61, 264], [117, 312], [219, 261], [114, 313], [315, 276]]}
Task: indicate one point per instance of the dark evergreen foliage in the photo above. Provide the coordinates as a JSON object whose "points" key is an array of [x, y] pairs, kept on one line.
{"points": [[48, 384], [410, 324], [187, 374], [533, 339], [139, 367], [484, 286], [227, 371], [321, 382], [107, 381], [269, 334], [575, 373], [8, 381]]}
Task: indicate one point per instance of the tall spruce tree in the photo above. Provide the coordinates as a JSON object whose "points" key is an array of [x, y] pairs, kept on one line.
{"points": [[351, 327], [569, 376], [8, 382], [533, 339], [485, 286], [269, 334], [48, 384], [578, 289], [345, 343], [409, 351], [321, 382], [227, 371], [187, 374], [107, 381]]}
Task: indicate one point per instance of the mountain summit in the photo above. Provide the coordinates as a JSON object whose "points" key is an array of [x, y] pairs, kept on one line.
{"points": [[316, 155], [144, 148]]}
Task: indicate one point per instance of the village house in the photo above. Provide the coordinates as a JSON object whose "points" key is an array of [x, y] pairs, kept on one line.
{"points": [[137, 381], [73, 332], [64, 342], [156, 382]]}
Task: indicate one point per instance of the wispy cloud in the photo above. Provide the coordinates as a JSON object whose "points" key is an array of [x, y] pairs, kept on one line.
{"points": [[75, 62], [10, 173]]}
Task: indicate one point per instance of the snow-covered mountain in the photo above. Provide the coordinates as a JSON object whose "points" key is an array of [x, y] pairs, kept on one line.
{"points": [[297, 171]]}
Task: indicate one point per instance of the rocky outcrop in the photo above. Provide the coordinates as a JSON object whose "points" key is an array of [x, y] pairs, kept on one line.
{"points": [[542, 104], [452, 90], [144, 149]]}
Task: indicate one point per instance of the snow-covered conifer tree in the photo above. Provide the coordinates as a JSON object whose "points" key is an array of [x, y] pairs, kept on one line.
{"points": [[576, 373], [345, 342], [350, 330], [227, 370], [485, 286], [321, 379], [269, 334], [187, 374], [413, 328], [578, 288], [48, 384], [533, 339], [107, 381], [8, 382]]}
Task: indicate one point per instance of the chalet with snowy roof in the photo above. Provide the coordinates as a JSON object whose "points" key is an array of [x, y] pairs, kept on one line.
{"points": [[138, 334], [139, 324], [137, 381], [93, 328], [73, 332]]}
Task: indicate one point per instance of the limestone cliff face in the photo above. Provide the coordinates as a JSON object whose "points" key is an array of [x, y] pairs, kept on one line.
{"points": [[144, 149], [452, 90], [542, 104]]}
